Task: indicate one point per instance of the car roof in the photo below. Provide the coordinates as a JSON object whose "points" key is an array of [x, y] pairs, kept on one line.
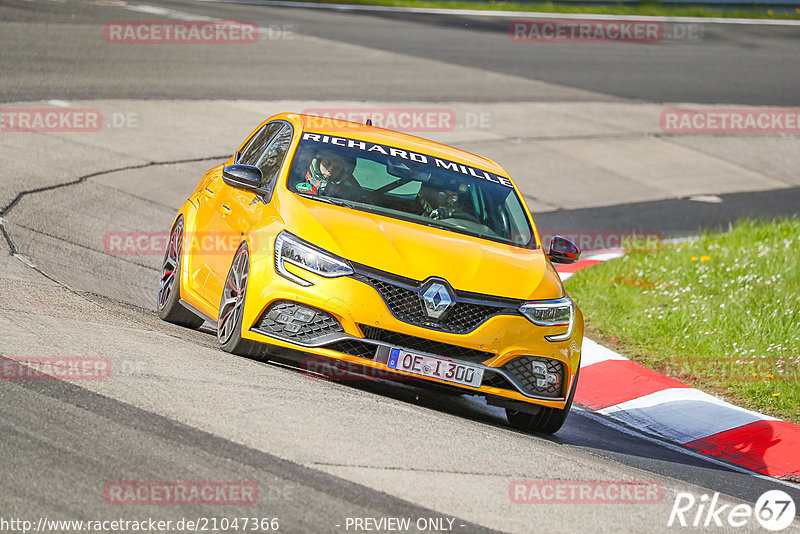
{"points": [[382, 136]]}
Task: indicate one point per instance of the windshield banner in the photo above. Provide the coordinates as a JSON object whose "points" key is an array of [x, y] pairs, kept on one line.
{"points": [[365, 146]]}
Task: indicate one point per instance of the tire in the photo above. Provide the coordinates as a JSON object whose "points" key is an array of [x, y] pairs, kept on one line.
{"points": [[231, 309], [546, 420], [169, 286]]}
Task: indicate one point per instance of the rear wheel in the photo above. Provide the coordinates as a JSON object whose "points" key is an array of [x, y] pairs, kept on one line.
{"points": [[169, 287], [231, 309], [546, 420]]}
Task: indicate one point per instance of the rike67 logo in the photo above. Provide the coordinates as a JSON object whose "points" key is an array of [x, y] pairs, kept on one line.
{"points": [[774, 510]]}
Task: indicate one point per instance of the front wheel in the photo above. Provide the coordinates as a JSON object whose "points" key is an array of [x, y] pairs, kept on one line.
{"points": [[231, 310], [546, 420]]}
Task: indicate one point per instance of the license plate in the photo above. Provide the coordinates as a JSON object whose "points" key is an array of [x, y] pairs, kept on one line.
{"points": [[429, 366]]}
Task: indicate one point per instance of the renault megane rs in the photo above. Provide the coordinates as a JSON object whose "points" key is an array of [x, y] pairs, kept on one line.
{"points": [[372, 247]]}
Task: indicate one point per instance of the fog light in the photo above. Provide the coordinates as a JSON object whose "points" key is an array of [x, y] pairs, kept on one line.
{"points": [[543, 377], [292, 327], [304, 315]]}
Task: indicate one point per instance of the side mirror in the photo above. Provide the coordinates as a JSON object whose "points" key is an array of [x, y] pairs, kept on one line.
{"points": [[246, 177], [562, 250]]}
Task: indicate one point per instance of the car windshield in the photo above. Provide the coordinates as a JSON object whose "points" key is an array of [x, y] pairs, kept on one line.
{"points": [[407, 185]]}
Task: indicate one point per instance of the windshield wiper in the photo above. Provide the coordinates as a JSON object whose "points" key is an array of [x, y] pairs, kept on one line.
{"points": [[454, 228], [330, 200], [435, 225]]}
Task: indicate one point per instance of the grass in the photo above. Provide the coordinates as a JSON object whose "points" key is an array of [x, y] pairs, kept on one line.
{"points": [[655, 9], [721, 312]]}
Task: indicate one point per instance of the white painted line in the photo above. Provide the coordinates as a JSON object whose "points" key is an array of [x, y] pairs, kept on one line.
{"points": [[635, 432], [681, 394], [605, 257], [506, 14], [164, 12], [602, 256], [711, 199], [181, 15], [592, 353], [682, 414], [149, 9], [678, 394], [617, 250]]}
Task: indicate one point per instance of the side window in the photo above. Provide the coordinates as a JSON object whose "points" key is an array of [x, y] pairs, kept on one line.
{"points": [[517, 223], [270, 160], [256, 145]]}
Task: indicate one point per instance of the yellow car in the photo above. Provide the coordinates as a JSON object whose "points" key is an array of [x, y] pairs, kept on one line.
{"points": [[384, 251]]}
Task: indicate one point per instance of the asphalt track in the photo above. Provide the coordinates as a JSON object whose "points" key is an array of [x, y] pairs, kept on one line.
{"points": [[737, 64], [319, 451]]}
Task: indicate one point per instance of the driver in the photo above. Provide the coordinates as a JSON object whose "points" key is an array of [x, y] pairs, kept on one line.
{"points": [[444, 200], [331, 174]]}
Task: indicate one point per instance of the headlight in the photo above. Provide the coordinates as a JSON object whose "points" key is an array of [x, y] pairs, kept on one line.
{"points": [[291, 249], [558, 312]]}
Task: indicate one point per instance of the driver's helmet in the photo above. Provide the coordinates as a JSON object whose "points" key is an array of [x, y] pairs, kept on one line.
{"points": [[328, 166], [445, 195]]}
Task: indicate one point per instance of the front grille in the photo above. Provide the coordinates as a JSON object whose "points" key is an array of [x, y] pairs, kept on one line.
{"points": [[420, 344], [496, 380], [402, 297], [549, 383], [465, 317], [297, 322], [353, 347]]}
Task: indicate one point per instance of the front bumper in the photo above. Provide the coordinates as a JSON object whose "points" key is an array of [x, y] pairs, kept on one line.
{"points": [[349, 319]]}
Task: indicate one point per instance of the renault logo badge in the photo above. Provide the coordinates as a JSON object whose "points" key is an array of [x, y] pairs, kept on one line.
{"points": [[437, 299]]}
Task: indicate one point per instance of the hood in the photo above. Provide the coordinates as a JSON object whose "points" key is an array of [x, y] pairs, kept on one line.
{"points": [[419, 252]]}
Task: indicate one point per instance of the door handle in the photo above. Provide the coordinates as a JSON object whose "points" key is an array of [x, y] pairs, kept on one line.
{"points": [[225, 210], [209, 192]]}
